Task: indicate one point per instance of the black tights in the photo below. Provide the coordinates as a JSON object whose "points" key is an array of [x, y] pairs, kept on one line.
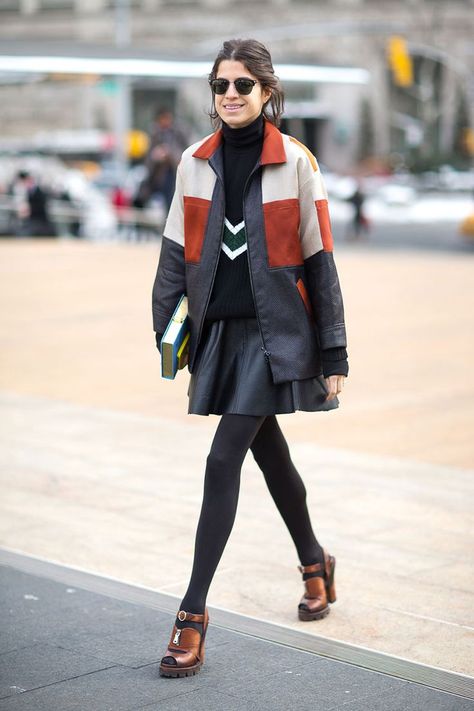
{"points": [[234, 436]]}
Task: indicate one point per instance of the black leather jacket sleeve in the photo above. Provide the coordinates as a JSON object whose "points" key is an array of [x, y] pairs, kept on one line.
{"points": [[169, 285], [321, 273], [326, 297]]}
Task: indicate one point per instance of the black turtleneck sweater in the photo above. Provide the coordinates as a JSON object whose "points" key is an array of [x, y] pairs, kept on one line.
{"points": [[232, 293]]}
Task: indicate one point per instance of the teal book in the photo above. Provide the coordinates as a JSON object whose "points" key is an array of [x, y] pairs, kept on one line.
{"points": [[175, 341]]}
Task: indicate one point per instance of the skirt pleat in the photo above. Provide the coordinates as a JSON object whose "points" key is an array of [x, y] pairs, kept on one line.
{"points": [[231, 375]]}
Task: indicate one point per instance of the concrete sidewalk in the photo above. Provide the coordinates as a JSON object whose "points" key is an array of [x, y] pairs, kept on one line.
{"points": [[75, 641], [90, 434], [106, 491]]}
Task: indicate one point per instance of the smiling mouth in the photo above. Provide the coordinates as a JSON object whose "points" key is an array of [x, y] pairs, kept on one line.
{"points": [[233, 107]]}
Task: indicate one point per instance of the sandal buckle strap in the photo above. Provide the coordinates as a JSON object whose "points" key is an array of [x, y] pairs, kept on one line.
{"points": [[316, 567], [191, 616]]}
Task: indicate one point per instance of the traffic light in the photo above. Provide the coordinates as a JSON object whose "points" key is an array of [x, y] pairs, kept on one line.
{"points": [[400, 61]]}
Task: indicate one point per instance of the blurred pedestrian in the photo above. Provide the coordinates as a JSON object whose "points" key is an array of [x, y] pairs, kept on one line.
{"points": [[32, 207], [359, 223], [167, 142], [248, 240], [166, 131]]}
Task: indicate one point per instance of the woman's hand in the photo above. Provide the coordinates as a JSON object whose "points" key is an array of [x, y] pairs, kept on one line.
{"points": [[335, 384]]}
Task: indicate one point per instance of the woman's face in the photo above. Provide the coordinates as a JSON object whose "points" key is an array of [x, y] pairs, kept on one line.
{"points": [[235, 109]]}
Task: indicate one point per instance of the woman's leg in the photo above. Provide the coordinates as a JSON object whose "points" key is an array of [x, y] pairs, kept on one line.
{"points": [[231, 442], [288, 491]]}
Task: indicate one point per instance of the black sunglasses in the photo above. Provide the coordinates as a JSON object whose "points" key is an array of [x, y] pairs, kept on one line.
{"points": [[243, 85]]}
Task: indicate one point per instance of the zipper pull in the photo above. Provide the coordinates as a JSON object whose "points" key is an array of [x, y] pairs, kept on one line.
{"points": [[266, 353]]}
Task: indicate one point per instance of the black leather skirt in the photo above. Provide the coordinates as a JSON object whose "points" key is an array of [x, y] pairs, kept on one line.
{"points": [[231, 375]]}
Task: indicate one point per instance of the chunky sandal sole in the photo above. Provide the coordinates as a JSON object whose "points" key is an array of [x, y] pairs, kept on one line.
{"points": [[174, 672], [306, 615]]}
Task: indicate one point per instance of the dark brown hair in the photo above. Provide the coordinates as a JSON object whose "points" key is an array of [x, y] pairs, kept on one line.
{"points": [[256, 58]]}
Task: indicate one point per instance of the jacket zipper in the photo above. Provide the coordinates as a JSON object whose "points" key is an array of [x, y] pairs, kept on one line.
{"points": [[249, 261], [213, 276]]}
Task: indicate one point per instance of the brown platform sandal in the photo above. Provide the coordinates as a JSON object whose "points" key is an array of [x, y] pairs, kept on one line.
{"points": [[186, 646], [318, 591]]}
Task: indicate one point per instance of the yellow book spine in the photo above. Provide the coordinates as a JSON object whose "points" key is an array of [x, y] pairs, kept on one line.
{"points": [[183, 352]]}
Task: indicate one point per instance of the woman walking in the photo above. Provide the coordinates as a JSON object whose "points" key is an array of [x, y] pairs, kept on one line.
{"points": [[248, 240]]}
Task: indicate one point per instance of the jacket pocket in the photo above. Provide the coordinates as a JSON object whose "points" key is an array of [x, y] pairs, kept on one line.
{"points": [[196, 213], [282, 223], [305, 297]]}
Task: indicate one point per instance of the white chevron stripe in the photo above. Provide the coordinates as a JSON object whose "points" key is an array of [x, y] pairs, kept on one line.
{"points": [[231, 227], [233, 255]]}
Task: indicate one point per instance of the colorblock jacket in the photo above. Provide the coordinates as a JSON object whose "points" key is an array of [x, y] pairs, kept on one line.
{"points": [[294, 280]]}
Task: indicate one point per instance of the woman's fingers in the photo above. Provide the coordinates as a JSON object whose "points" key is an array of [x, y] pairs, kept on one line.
{"points": [[331, 386], [334, 384]]}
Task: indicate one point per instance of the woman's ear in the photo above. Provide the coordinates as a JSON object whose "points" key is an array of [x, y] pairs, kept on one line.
{"points": [[266, 95]]}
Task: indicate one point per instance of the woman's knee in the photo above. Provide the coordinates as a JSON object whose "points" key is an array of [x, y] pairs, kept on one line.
{"points": [[216, 461], [221, 471]]}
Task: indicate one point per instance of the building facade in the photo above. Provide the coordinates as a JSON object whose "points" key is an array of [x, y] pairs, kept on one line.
{"points": [[343, 123]]}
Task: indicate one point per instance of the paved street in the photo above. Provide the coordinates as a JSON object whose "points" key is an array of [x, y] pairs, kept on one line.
{"points": [[66, 647]]}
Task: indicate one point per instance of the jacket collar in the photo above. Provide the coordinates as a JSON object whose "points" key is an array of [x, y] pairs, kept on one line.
{"points": [[273, 150]]}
